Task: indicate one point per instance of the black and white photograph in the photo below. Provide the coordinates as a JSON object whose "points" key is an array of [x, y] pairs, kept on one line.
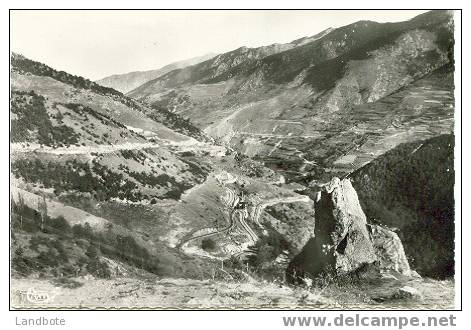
{"points": [[233, 159]]}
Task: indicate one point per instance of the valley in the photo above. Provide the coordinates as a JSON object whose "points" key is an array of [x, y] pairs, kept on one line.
{"points": [[312, 174]]}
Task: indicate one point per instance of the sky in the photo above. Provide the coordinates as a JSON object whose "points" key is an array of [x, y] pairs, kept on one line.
{"points": [[95, 44]]}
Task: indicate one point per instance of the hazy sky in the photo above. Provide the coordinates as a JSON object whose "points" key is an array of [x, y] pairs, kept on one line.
{"points": [[95, 44]]}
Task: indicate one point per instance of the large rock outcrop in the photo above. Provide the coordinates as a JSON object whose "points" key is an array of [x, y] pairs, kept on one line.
{"points": [[344, 243], [341, 226]]}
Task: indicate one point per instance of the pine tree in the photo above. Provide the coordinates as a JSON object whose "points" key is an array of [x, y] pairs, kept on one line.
{"points": [[42, 208], [21, 208]]}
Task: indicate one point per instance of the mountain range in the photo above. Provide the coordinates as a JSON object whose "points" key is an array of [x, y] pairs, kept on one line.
{"points": [[273, 103], [126, 82]]}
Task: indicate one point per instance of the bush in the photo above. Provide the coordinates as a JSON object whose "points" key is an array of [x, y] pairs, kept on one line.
{"points": [[21, 264], [92, 252], [208, 244], [47, 259], [84, 231], [76, 176], [123, 248], [60, 225], [98, 268]]}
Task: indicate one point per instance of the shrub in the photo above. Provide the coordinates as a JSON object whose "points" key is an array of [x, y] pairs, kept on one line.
{"points": [[98, 268], [73, 175], [53, 256], [60, 225], [21, 264], [208, 244]]}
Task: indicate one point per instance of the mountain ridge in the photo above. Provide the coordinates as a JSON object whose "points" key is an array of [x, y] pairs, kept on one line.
{"points": [[22, 65], [125, 82], [423, 20]]}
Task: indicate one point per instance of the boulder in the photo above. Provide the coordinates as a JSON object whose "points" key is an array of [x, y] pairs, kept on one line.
{"points": [[394, 291], [344, 243], [349, 241], [406, 292], [389, 250]]}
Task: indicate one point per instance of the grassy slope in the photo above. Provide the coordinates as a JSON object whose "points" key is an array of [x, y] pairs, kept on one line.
{"points": [[79, 143], [74, 116]]}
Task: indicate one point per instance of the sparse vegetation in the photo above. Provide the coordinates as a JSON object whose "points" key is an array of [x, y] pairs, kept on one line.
{"points": [[32, 122], [83, 110], [175, 122], [73, 175], [21, 64], [161, 180], [58, 249]]}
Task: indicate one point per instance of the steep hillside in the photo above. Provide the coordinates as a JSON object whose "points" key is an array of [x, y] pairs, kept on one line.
{"points": [[411, 188], [62, 244], [76, 145], [128, 81], [95, 154], [27, 75], [220, 65], [74, 136], [283, 63], [275, 105]]}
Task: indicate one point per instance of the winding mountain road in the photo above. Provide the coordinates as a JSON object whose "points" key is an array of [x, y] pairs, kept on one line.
{"points": [[258, 209], [240, 215]]}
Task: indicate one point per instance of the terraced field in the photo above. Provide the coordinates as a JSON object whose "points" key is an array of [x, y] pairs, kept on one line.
{"points": [[423, 110], [347, 141]]}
